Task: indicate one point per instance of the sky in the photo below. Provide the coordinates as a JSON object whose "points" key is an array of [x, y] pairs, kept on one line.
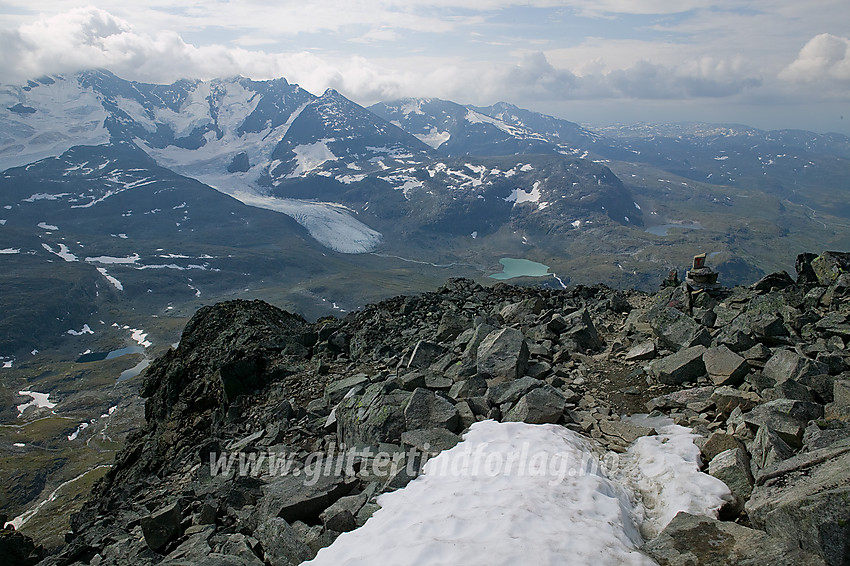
{"points": [[767, 63]]}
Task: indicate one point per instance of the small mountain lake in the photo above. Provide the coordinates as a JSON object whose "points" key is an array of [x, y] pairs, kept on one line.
{"points": [[98, 356], [512, 267], [664, 229]]}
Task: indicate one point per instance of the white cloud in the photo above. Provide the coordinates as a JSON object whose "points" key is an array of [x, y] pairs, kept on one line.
{"points": [[825, 57]]}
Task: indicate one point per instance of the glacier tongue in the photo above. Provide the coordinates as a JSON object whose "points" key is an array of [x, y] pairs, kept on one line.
{"points": [[329, 224]]}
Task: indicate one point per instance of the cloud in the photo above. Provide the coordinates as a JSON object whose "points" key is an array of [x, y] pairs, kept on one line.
{"points": [[825, 57]]}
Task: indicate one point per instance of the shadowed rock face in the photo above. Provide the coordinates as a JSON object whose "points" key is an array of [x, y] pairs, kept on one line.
{"points": [[250, 379]]}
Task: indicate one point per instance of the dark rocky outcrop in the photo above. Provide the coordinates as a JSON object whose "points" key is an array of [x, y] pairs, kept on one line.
{"points": [[266, 436]]}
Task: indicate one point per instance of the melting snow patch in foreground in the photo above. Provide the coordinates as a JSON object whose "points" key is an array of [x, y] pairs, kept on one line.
{"points": [[513, 493]]}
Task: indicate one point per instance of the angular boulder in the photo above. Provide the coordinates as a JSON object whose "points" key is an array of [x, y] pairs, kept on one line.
{"points": [[725, 367], [538, 406], [426, 410], [681, 367], [503, 354]]}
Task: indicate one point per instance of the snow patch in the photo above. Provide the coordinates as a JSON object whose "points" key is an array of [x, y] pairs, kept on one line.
{"points": [[140, 336], [115, 283], [63, 252], [519, 196], [114, 260], [309, 156], [84, 330], [40, 400], [434, 138], [45, 196], [73, 436], [8, 251], [46, 226]]}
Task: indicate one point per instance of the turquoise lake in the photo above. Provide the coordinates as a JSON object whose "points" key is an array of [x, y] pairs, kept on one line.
{"points": [[520, 268]]}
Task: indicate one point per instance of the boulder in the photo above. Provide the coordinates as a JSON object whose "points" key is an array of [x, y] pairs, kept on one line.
{"points": [[341, 515], [694, 540], [676, 330], [542, 405], [724, 366], [643, 351], [803, 266], [788, 417], [773, 282], [450, 327], [726, 399], [430, 441], [424, 354], [829, 266], [427, 410], [522, 311], [473, 387], [17, 548], [839, 409], [162, 526], [681, 399], [371, 418], [681, 367], [335, 391], [804, 500], [302, 495], [732, 467], [581, 331], [503, 354], [768, 448], [624, 431], [719, 442], [481, 331], [511, 391], [788, 364], [281, 544]]}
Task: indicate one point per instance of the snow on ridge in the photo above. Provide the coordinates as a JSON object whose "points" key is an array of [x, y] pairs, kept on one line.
{"points": [[66, 115], [557, 492]]}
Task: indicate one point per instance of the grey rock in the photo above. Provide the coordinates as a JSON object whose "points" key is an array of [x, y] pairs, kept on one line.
{"points": [[581, 331], [511, 391], [522, 311], [804, 500], [542, 405], [718, 442], [430, 441], [788, 389], [626, 432], [371, 418], [481, 331], [427, 410], [725, 367], [787, 417], [503, 353], [473, 387], [829, 266], [643, 351], [341, 515], [681, 399], [335, 391], [726, 399], [787, 364], [732, 467], [281, 544], [767, 448], [450, 327], [839, 409], [684, 366], [303, 496], [675, 329], [694, 540], [424, 354], [162, 526]]}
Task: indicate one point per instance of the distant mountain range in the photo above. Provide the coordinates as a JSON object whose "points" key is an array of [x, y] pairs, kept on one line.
{"points": [[107, 196]]}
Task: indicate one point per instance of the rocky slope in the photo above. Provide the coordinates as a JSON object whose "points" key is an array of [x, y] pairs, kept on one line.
{"points": [[761, 373]]}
